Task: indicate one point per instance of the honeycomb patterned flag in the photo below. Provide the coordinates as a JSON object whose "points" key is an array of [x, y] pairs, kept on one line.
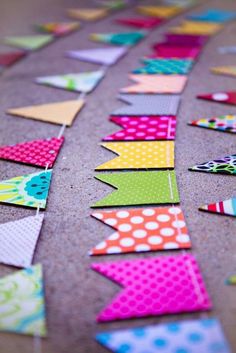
{"points": [[141, 230], [58, 28], [226, 207], [165, 66], [153, 287], [33, 42], [225, 123], [41, 153], [225, 165], [220, 97]]}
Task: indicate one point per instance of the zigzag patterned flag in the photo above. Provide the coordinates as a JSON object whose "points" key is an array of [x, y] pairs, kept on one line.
{"points": [[226, 207], [225, 165]]}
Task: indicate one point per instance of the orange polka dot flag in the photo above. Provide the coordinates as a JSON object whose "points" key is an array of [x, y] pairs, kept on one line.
{"points": [[148, 229]]}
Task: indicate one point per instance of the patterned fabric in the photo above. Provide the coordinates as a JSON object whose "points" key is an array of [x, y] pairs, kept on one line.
{"points": [[190, 336], [143, 128], [231, 280], [199, 28], [145, 22], [226, 123], [165, 66], [18, 240], [33, 42], [221, 97], [167, 50], [58, 28], [186, 39], [140, 155], [42, 153], [124, 38], [224, 70], [140, 188], [159, 11], [148, 229], [151, 287], [214, 15], [148, 104], [62, 113], [27, 190], [225, 165], [87, 14], [84, 82], [226, 207], [10, 58], [22, 302]]}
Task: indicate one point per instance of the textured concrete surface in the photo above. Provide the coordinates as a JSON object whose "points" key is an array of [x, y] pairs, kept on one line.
{"points": [[74, 293]]}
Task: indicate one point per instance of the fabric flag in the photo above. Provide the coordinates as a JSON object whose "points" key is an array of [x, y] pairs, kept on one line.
{"points": [[83, 82], [143, 22], [221, 97], [152, 288], [139, 188], [226, 207], [29, 190], [87, 14], [41, 153], [184, 4], [143, 128], [166, 50], [225, 123], [140, 155], [10, 58], [138, 230], [225, 165], [33, 42], [186, 39], [224, 70], [18, 240], [148, 104], [214, 15], [22, 304], [123, 38], [58, 28], [105, 56], [165, 66], [227, 50], [159, 11], [231, 280], [196, 27], [192, 336], [156, 84], [113, 4]]}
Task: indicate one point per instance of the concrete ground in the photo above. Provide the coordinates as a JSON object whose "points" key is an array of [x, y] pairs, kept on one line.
{"points": [[74, 293]]}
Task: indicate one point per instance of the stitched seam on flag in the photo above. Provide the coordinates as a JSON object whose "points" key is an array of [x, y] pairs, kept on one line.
{"points": [[169, 127], [170, 185], [197, 287], [178, 227]]}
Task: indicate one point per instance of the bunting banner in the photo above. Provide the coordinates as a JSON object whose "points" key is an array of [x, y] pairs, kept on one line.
{"points": [[165, 66], [196, 27], [62, 113], [140, 188], [105, 56], [29, 190], [185, 39], [148, 104], [225, 165], [143, 22], [168, 51], [87, 14], [156, 84], [143, 128], [33, 42], [22, 304], [225, 123], [192, 336], [10, 58], [113, 4], [41, 153], [140, 155], [58, 28], [226, 207], [221, 97], [214, 15], [152, 288], [231, 280], [123, 38], [19, 239], [83, 82], [224, 70], [159, 11], [144, 229]]}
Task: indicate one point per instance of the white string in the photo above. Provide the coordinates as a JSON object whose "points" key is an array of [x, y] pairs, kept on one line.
{"points": [[81, 96], [37, 344], [170, 186], [61, 132], [169, 127]]}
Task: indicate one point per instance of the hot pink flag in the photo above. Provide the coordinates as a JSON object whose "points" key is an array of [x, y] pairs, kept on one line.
{"points": [[186, 39], [145, 22], [166, 50]]}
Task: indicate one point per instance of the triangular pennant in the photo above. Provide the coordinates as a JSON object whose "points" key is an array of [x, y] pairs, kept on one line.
{"points": [[57, 113], [150, 284], [184, 4], [214, 15], [221, 97], [123, 38], [224, 70], [165, 66], [106, 56], [227, 50], [29, 190], [148, 104], [88, 14], [113, 4], [192, 336], [225, 165], [18, 240], [144, 22], [140, 155], [22, 304], [58, 28], [166, 50], [83, 82], [10, 58], [231, 280], [159, 11], [29, 42], [41, 153], [139, 188], [148, 229], [196, 27], [225, 123], [186, 39], [226, 207], [156, 84], [143, 128]]}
